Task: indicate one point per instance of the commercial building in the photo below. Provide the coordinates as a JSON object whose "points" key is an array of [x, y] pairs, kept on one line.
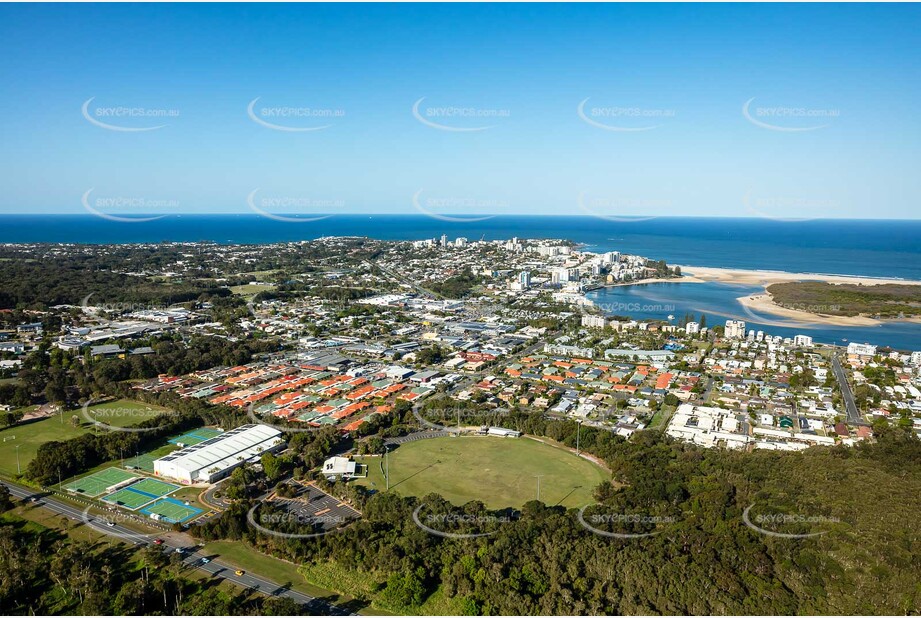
{"points": [[216, 458], [336, 468]]}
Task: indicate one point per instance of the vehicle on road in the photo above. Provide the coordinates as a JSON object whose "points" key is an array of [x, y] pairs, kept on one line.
{"points": [[239, 572], [110, 524], [205, 560], [158, 541]]}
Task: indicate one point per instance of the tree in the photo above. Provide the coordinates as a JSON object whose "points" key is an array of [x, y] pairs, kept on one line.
{"points": [[271, 465]]}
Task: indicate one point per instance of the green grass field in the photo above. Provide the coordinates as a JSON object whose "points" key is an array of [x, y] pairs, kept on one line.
{"points": [[250, 290], [119, 413], [29, 436], [144, 461], [32, 434], [501, 472]]}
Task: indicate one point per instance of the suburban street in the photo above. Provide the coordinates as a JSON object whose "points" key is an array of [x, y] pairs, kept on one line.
{"points": [[853, 414], [193, 557]]}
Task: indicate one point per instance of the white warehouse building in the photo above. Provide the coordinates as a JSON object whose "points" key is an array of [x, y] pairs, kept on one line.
{"points": [[216, 458]]}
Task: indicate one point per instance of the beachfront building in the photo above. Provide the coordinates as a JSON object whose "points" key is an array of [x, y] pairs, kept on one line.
{"points": [[735, 329]]}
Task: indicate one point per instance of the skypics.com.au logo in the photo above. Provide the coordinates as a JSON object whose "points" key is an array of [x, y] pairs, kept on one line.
{"points": [[291, 209], [292, 119], [293, 524], [125, 119], [787, 119], [620, 525], [786, 525], [111, 416], [457, 119], [450, 523], [118, 208], [622, 119]]}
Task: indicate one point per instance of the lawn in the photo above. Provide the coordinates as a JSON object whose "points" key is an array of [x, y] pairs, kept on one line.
{"points": [[501, 472], [251, 289], [119, 413], [660, 419], [31, 434]]}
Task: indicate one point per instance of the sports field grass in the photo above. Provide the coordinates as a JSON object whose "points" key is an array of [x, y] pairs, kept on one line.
{"points": [[95, 484], [32, 434], [120, 413], [500, 472], [144, 461], [172, 510]]}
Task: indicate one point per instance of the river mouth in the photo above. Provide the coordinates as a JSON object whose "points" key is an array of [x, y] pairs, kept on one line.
{"points": [[720, 302]]}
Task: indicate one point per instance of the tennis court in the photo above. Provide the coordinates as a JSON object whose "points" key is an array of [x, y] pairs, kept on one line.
{"points": [[96, 483], [129, 498], [195, 436], [171, 510], [153, 487]]}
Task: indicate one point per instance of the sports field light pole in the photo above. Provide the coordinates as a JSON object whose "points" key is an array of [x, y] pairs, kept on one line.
{"points": [[578, 433], [18, 469], [387, 466], [538, 476]]}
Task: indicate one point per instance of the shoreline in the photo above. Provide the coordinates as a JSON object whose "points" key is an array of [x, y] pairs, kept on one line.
{"points": [[766, 277], [763, 302]]}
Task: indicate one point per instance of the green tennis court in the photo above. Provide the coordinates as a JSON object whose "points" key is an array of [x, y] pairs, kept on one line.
{"points": [[129, 498], [153, 487], [196, 436], [171, 510], [96, 484]]}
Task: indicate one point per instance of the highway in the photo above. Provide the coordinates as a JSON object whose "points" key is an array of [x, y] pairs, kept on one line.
{"points": [[853, 414], [192, 558]]}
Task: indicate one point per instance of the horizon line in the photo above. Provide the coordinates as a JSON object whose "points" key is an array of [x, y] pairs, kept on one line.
{"points": [[461, 221]]}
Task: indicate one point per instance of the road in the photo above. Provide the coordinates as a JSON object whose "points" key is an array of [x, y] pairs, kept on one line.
{"points": [[192, 559], [853, 414]]}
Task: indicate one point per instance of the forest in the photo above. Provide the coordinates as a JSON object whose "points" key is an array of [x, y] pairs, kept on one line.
{"points": [[704, 560]]}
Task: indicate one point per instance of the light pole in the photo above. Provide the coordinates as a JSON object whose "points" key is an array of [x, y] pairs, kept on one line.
{"points": [[578, 435], [387, 466], [538, 476], [18, 469]]}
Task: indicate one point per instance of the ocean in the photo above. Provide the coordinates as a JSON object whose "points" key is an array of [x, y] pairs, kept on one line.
{"points": [[872, 248]]}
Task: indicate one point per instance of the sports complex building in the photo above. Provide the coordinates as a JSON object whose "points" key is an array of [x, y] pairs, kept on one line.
{"points": [[215, 458]]}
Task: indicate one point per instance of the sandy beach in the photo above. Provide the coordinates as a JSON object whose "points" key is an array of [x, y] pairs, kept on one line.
{"points": [[757, 305], [767, 277]]}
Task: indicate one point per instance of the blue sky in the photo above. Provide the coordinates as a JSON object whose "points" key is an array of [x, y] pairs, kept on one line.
{"points": [[846, 76]]}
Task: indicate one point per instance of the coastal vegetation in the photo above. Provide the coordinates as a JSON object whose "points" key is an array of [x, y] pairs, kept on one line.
{"points": [[844, 299]]}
